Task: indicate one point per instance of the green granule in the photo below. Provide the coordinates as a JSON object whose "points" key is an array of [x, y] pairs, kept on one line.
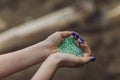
{"points": [[69, 46]]}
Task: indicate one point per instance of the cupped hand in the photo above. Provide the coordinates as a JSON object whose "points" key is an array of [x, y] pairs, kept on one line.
{"points": [[69, 60], [54, 40]]}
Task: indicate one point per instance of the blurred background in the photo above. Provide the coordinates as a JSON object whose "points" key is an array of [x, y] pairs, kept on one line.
{"points": [[26, 22]]}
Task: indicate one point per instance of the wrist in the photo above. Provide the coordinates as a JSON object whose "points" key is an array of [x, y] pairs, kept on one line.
{"points": [[46, 46], [38, 51], [42, 47], [55, 60]]}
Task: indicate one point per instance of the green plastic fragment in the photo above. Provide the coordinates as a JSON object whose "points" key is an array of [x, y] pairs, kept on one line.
{"points": [[69, 46]]}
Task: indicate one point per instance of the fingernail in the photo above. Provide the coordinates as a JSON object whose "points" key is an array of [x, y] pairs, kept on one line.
{"points": [[77, 37], [93, 59], [81, 42], [73, 34], [82, 39]]}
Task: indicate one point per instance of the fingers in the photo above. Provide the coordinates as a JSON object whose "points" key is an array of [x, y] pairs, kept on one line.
{"points": [[80, 60], [79, 41], [86, 48], [82, 43], [75, 35], [85, 60], [65, 34], [68, 60]]}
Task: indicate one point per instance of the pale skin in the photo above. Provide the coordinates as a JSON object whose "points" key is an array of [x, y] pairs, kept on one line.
{"points": [[44, 51]]}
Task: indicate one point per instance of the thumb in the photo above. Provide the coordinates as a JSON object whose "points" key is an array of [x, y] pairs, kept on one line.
{"points": [[86, 60], [65, 34]]}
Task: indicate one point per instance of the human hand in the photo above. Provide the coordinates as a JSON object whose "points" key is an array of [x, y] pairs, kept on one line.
{"points": [[57, 60], [54, 40], [67, 59]]}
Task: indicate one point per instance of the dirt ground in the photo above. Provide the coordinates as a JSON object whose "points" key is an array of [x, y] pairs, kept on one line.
{"points": [[105, 43]]}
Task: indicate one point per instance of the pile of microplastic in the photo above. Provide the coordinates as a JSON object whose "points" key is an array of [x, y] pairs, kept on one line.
{"points": [[69, 46]]}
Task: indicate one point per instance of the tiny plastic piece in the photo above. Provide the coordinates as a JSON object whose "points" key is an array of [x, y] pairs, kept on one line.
{"points": [[69, 46]]}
